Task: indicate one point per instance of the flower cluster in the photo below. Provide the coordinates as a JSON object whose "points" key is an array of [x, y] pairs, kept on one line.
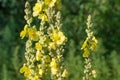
{"points": [[30, 32], [90, 43], [89, 46], [45, 46], [41, 7]]}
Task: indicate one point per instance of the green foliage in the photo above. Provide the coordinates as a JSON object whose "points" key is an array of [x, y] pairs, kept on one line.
{"points": [[114, 65], [74, 63], [105, 17], [4, 71]]}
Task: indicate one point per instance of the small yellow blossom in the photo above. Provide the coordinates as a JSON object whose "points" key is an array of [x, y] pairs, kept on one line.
{"points": [[27, 73], [50, 3], [86, 53], [22, 70], [54, 71], [53, 63], [38, 46], [94, 73], [23, 33], [38, 56], [52, 45], [47, 58], [32, 32], [65, 73], [39, 66], [94, 39], [43, 17], [93, 43], [36, 78], [25, 70], [54, 66], [37, 9], [84, 44], [59, 57], [93, 46], [58, 37], [41, 72]]}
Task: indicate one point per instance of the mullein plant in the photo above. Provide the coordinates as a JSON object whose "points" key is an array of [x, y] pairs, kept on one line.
{"points": [[45, 45], [88, 47]]}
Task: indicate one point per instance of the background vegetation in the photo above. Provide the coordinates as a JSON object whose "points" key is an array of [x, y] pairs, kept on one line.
{"points": [[105, 18]]}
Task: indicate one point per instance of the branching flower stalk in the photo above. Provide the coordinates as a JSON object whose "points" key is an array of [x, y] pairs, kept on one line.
{"points": [[45, 44], [88, 47]]}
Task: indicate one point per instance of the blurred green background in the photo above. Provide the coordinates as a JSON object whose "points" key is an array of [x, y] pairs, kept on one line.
{"points": [[106, 23]]}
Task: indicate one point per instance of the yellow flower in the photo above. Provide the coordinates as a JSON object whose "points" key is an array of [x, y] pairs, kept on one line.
{"points": [[27, 73], [25, 70], [43, 17], [59, 57], [54, 71], [38, 46], [36, 78], [22, 70], [38, 56], [86, 53], [58, 37], [54, 66], [84, 44], [65, 73], [94, 39], [47, 58], [50, 3], [32, 32], [94, 73], [53, 63], [93, 43], [52, 45], [41, 72], [23, 33], [93, 46], [37, 9]]}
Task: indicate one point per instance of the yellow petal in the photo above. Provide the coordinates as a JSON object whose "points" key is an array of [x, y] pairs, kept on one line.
{"points": [[54, 63], [57, 37], [50, 3], [94, 73], [23, 33], [41, 72], [33, 35], [54, 71], [38, 56], [52, 46], [36, 78], [22, 70], [84, 44], [37, 9], [86, 53], [27, 73], [65, 73], [94, 39], [43, 17], [47, 58], [38, 46], [93, 46]]}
